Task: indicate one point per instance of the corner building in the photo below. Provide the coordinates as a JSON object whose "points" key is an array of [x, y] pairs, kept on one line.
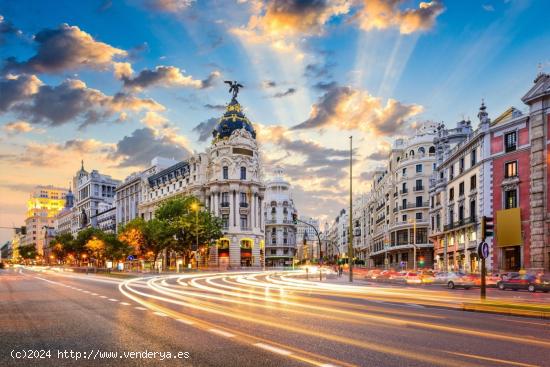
{"points": [[227, 179]]}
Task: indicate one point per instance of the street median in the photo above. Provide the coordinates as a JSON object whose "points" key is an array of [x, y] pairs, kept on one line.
{"points": [[512, 309]]}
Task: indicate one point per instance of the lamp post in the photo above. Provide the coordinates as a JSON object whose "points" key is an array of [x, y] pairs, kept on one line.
{"points": [[350, 245], [195, 207], [413, 221]]}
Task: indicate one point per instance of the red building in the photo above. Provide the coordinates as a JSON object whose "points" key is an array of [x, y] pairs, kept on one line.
{"points": [[511, 168]]}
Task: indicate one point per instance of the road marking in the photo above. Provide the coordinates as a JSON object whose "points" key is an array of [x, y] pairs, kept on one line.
{"points": [[273, 349], [113, 300], [125, 303], [328, 365], [102, 296], [492, 359], [188, 322], [160, 314], [95, 294], [141, 308], [86, 291], [222, 333]]}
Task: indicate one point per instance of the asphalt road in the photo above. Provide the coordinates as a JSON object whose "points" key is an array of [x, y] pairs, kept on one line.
{"points": [[249, 319]]}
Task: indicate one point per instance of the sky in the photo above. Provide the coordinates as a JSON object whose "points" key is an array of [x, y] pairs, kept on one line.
{"points": [[115, 83]]}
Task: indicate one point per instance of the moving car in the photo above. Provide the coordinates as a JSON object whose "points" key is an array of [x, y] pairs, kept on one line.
{"points": [[459, 280], [530, 282]]}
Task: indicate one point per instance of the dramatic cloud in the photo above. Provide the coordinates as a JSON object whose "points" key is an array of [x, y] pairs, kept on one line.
{"points": [[70, 101], [169, 6], [288, 17], [288, 92], [164, 76], [218, 107], [384, 14], [14, 89], [7, 28], [17, 127], [367, 176], [204, 129], [348, 108], [142, 145], [66, 48], [318, 70], [381, 154], [325, 86]]}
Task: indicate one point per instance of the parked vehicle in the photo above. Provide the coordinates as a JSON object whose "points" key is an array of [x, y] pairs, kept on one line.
{"points": [[530, 282], [459, 280]]}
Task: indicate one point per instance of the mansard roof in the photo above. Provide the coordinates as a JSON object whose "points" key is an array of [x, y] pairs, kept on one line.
{"points": [[177, 170]]}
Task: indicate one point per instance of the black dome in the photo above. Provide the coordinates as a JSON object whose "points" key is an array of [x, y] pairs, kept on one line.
{"points": [[233, 119]]}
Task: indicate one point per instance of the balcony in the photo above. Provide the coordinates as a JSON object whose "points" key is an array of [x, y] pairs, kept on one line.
{"points": [[381, 219], [395, 194], [395, 210], [459, 223], [380, 206], [404, 191], [246, 229], [225, 204], [271, 221], [419, 188], [424, 204], [243, 205]]}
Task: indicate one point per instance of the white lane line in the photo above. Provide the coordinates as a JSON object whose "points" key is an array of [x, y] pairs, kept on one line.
{"points": [[414, 305], [328, 365], [95, 294], [160, 314], [188, 322], [141, 308], [222, 333], [86, 291], [125, 303], [102, 296], [273, 349], [113, 300]]}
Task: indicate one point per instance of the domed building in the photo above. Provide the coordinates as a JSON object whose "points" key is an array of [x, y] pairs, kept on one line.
{"points": [[227, 178]]}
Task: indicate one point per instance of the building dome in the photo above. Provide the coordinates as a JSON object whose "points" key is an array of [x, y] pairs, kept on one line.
{"points": [[233, 119]]}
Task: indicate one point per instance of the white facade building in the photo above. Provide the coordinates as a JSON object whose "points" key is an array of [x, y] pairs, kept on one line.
{"points": [[280, 244]]}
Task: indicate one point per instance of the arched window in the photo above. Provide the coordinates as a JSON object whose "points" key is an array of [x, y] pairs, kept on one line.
{"points": [[225, 170], [421, 151], [432, 150], [398, 159], [411, 153], [243, 173]]}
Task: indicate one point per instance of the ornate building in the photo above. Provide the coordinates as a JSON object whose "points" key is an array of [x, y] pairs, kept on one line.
{"points": [[227, 179], [280, 244]]}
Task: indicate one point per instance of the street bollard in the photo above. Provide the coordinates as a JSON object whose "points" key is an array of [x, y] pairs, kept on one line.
{"points": [[307, 273], [320, 275]]}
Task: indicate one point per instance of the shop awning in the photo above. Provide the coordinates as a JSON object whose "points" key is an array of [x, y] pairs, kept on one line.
{"points": [[508, 227]]}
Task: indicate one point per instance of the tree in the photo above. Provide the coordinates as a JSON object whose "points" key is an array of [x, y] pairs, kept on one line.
{"points": [[96, 248], [188, 221], [27, 252], [114, 248], [79, 244], [61, 245]]}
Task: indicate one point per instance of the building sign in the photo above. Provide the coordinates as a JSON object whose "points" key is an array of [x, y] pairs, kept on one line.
{"points": [[508, 227]]}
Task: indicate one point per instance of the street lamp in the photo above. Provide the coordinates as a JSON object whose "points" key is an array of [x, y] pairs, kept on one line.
{"points": [[413, 221], [195, 207]]}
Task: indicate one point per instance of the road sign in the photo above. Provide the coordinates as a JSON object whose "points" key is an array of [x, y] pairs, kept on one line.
{"points": [[130, 258], [402, 263], [483, 250]]}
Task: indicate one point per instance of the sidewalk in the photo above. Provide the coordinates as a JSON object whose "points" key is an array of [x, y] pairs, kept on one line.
{"points": [[539, 308]]}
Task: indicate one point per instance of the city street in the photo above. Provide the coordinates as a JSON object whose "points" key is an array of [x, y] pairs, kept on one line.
{"points": [[251, 319]]}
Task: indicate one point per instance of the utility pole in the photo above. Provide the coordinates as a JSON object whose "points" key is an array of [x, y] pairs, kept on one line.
{"points": [[350, 245], [414, 243]]}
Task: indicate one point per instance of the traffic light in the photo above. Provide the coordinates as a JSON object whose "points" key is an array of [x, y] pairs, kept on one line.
{"points": [[421, 261], [294, 218], [487, 227]]}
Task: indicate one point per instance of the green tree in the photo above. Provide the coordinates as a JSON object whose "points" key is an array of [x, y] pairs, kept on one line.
{"points": [[79, 248], [61, 245], [114, 248], [27, 252], [189, 222]]}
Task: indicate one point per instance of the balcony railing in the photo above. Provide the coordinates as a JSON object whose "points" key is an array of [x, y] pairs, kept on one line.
{"points": [[424, 204], [380, 206], [225, 204], [404, 191], [459, 223], [419, 188], [381, 219], [243, 205]]}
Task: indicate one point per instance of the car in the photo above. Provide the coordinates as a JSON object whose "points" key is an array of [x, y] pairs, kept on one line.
{"points": [[427, 276], [530, 282], [459, 280], [413, 278]]}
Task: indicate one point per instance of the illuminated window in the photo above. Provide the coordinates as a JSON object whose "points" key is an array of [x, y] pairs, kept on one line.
{"points": [[511, 169]]}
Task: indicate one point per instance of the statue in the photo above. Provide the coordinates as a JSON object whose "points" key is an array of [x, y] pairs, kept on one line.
{"points": [[234, 87]]}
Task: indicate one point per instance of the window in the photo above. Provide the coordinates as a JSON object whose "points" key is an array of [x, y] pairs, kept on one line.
{"points": [[404, 203], [419, 185], [473, 182], [511, 169], [418, 168], [243, 197], [273, 252], [472, 210], [451, 172], [433, 220], [461, 189], [244, 222], [419, 201], [437, 221], [510, 199], [510, 141], [225, 199], [461, 164], [452, 193], [225, 172], [404, 188], [273, 240], [461, 213], [243, 173], [404, 217], [473, 158], [418, 216], [404, 171], [225, 221]]}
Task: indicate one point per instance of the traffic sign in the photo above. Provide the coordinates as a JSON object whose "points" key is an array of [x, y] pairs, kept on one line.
{"points": [[483, 250], [130, 258]]}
